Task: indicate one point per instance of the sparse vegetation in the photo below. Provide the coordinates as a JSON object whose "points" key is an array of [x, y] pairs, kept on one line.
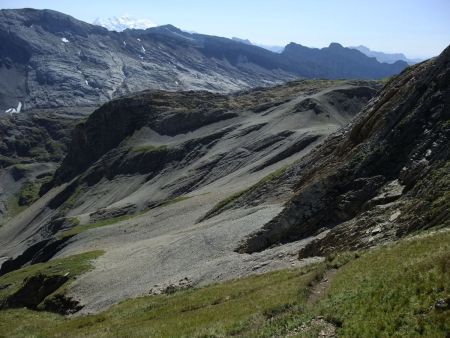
{"points": [[227, 202], [149, 148], [27, 195], [173, 201], [387, 291], [13, 208], [7, 161], [78, 228], [70, 202], [437, 185], [222, 205], [29, 192]]}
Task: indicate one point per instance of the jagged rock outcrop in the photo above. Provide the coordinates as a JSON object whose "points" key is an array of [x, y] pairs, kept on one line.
{"points": [[384, 176], [49, 59], [33, 291]]}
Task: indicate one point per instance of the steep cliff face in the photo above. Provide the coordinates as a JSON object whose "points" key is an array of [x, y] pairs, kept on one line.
{"points": [[49, 59], [385, 176]]}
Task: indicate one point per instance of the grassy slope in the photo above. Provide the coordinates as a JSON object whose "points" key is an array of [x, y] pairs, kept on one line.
{"points": [[391, 291], [388, 291]]}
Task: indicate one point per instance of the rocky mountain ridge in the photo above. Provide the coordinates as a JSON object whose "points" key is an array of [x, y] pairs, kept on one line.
{"points": [[49, 59]]}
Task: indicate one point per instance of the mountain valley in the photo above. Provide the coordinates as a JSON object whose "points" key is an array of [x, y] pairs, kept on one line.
{"points": [[160, 183]]}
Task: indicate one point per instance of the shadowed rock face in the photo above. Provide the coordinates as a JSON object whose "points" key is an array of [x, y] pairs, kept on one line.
{"points": [[48, 59], [384, 176], [33, 291], [37, 137]]}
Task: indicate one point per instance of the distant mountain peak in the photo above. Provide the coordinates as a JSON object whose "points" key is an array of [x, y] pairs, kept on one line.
{"points": [[385, 57], [335, 45], [245, 41], [272, 48], [123, 22]]}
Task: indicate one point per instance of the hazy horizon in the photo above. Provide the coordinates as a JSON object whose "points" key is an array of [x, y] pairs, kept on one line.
{"points": [[415, 28]]}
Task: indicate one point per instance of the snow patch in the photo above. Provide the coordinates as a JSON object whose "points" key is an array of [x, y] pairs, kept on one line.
{"points": [[123, 22], [64, 40], [14, 110], [124, 43], [87, 83], [138, 39], [142, 49]]}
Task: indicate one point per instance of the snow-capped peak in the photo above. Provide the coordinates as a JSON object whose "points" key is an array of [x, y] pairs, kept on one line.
{"points": [[123, 22]]}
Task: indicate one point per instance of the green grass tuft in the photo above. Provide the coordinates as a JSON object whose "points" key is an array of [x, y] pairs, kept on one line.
{"points": [[149, 148], [29, 193], [78, 228]]}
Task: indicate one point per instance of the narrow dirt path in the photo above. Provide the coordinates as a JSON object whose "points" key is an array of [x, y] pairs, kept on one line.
{"points": [[324, 328], [318, 290]]}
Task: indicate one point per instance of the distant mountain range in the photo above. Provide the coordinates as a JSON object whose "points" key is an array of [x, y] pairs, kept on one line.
{"points": [[49, 59], [386, 57], [380, 56]]}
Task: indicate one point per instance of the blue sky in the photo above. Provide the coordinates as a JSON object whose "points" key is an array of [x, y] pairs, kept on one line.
{"points": [[418, 28]]}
